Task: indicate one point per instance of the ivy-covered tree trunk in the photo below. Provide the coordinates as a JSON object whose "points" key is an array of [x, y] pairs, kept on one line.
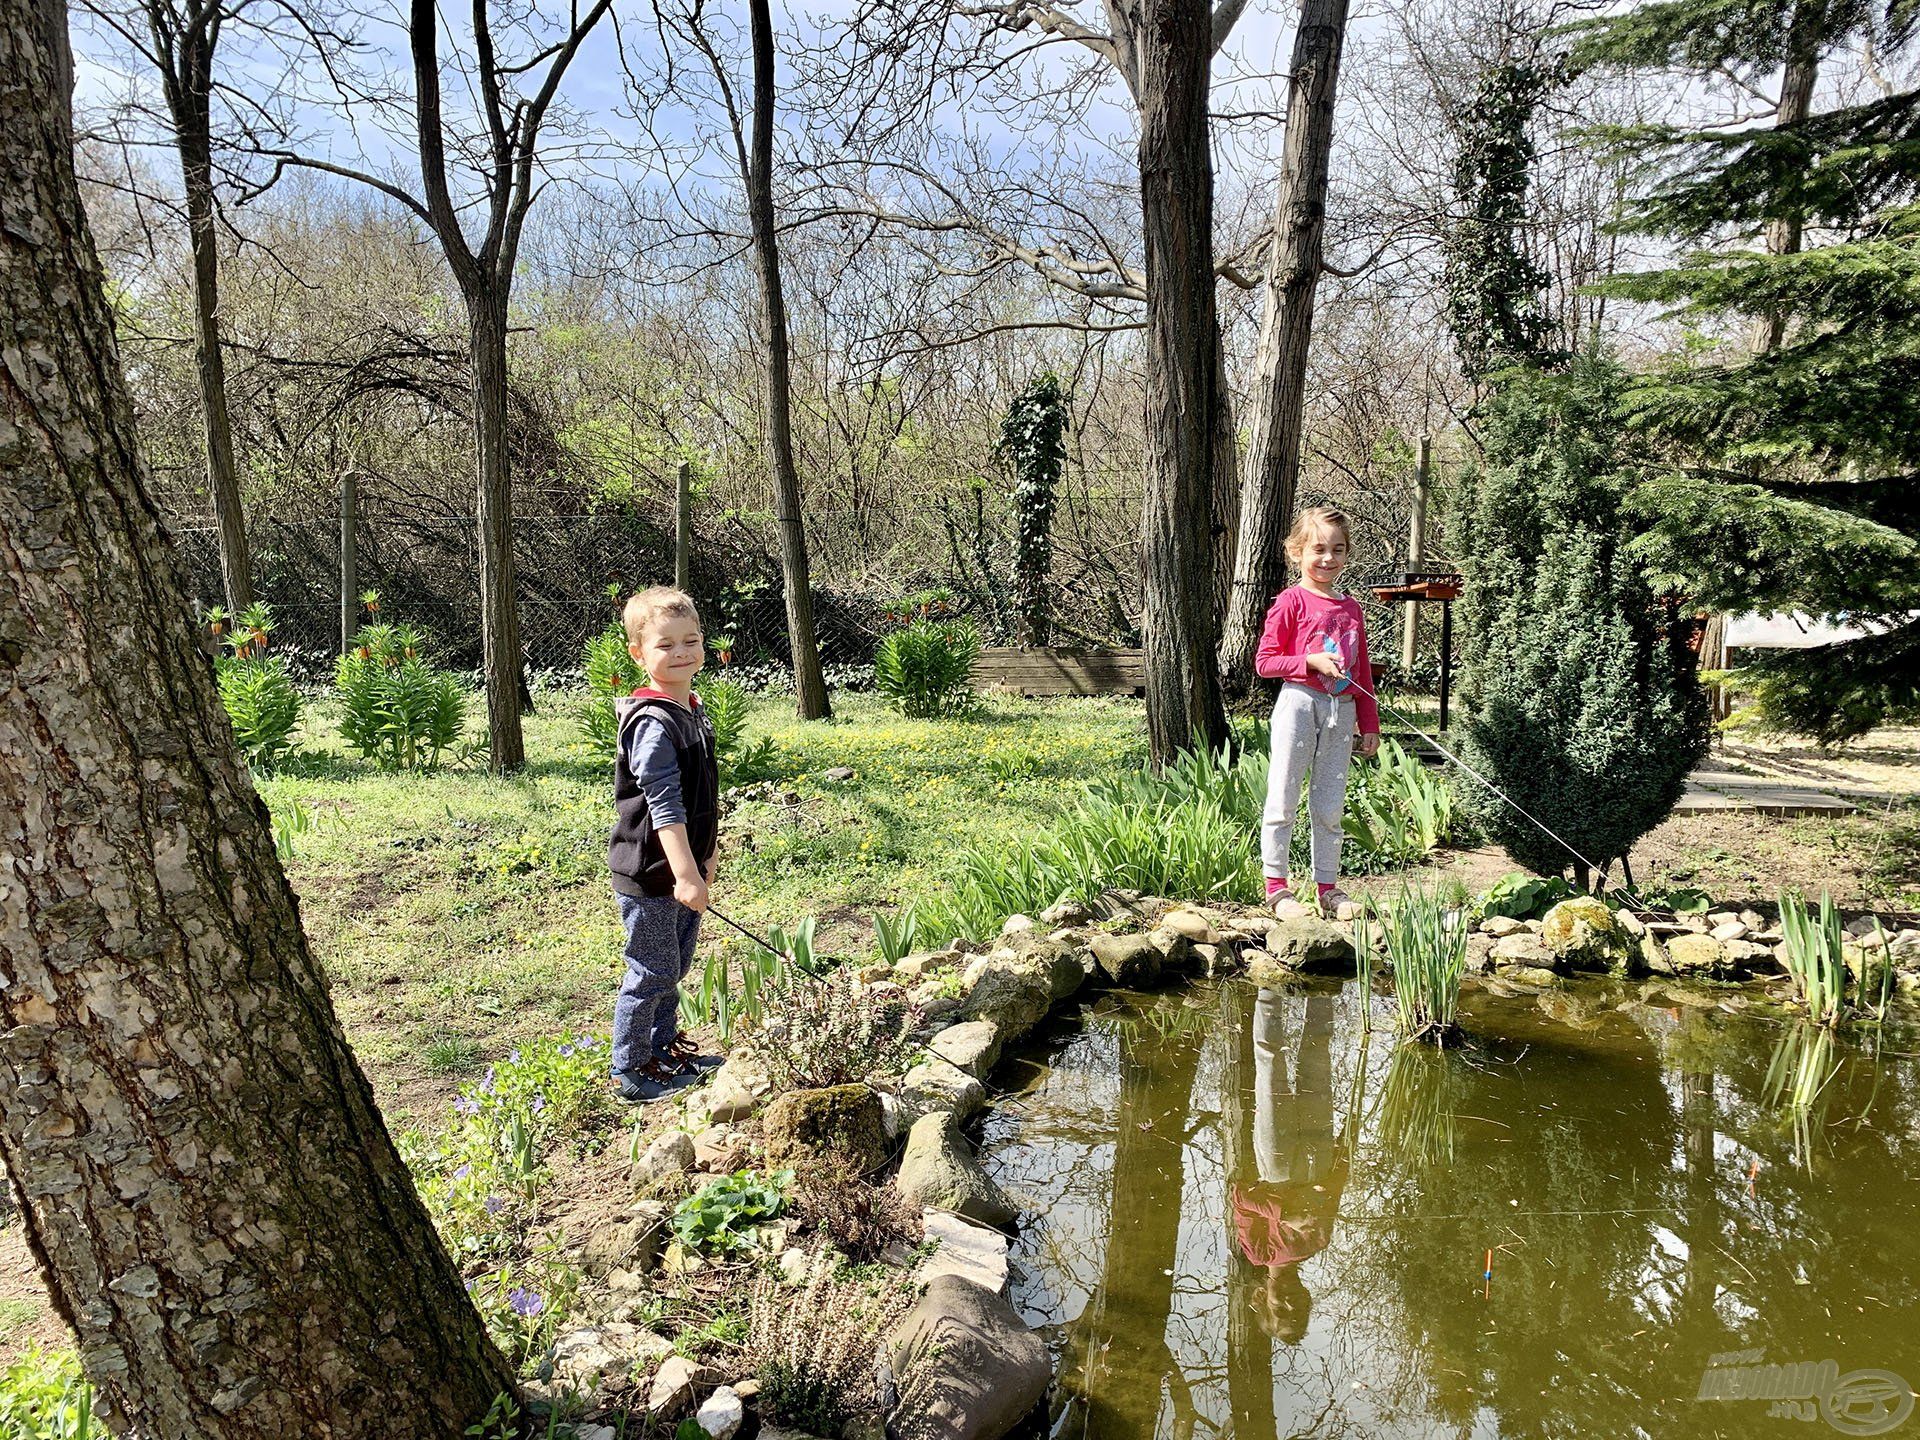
{"points": [[210, 1191], [1033, 447]]}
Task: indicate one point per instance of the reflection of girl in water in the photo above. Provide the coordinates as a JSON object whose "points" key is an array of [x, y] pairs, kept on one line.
{"points": [[1287, 1214]]}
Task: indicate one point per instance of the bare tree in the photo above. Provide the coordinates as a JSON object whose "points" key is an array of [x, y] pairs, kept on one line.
{"points": [[1294, 264], [206, 1183], [505, 159], [179, 41]]}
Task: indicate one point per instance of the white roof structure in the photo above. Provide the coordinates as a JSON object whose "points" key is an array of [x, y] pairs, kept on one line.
{"points": [[1790, 631]]}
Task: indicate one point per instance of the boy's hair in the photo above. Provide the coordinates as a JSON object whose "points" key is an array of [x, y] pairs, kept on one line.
{"points": [[650, 604], [1317, 517]]}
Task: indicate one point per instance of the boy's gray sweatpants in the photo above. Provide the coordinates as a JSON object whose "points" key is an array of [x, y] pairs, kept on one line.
{"points": [[646, 1016], [1312, 734]]}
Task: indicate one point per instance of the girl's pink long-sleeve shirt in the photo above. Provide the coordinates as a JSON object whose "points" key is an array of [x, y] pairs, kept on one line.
{"points": [[1301, 623]]}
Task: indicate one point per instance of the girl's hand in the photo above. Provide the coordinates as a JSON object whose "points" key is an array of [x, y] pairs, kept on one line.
{"points": [[1328, 665], [1367, 746]]}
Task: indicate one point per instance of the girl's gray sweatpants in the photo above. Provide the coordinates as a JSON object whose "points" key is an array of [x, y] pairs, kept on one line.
{"points": [[1312, 735]]}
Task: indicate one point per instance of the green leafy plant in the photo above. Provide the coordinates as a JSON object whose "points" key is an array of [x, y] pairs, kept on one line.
{"points": [[1520, 896], [719, 1002], [525, 1305], [610, 673], [1397, 806], [45, 1397], [817, 1031], [925, 670], [1033, 447], [261, 701], [395, 706], [897, 934], [718, 1216], [1426, 946], [289, 823]]}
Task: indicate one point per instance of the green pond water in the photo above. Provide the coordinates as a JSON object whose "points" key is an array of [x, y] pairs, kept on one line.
{"points": [[1250, 1219]]}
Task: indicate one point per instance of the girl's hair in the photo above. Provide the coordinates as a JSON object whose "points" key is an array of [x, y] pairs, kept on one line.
{"points": [[650, 604], [1317, 517]]}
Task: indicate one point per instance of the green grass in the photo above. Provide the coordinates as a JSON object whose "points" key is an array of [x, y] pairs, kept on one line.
{"points": [[458, 913]]}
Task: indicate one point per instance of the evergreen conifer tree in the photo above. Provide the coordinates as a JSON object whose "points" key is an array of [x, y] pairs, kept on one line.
{"points": [[1583, 704], [1782, 474]]}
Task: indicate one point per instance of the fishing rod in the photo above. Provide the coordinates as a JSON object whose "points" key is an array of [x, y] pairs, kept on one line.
{"points": [[764, 944]]}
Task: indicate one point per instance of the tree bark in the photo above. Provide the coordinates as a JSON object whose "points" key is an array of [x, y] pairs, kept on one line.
{"points": [[188, 86], [1294, 263], [1796, 103], [493, 519], [1226, 479], [809, 684], [205, 1180], [1170, 45]]}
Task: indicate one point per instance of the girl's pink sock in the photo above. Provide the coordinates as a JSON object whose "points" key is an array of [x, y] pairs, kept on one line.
{"points": [[1323, 889], [1276, 885]]}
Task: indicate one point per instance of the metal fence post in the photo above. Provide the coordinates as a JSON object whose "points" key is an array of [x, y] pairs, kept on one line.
{"points": [[683, 527], [349, 568]]}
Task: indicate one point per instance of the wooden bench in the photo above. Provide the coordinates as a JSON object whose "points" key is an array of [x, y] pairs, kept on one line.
{"points": [[1061, 671]]}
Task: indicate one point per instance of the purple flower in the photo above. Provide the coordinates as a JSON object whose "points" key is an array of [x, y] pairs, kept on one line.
{"points": [[486, 1080], [463, 1172], [494, 1204], [466, 1105], [513, 1057], [539, 1104], [566, 1052], [524, 1302]]}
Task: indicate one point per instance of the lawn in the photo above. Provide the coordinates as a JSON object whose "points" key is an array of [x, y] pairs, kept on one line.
{"points": [[458, 913]]}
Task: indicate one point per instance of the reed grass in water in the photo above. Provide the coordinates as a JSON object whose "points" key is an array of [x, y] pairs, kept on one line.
{"points": [[1815, 956], [1426, 946]]}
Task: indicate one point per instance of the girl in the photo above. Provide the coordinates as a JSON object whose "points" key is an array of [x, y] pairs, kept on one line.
{"points": [[1315, 642]]}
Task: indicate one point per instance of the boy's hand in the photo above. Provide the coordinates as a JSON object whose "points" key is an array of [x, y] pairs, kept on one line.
{"points": [[1367, 746], [691, 891], [1328, 665], [713, 864]]}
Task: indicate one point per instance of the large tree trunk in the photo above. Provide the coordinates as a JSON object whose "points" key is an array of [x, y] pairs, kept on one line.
{"points": [[1796, 103], [187, 101], [1226, 480], [205, 1181], [493, 518], [809, 685], [1172, 42], [1286, 329]]}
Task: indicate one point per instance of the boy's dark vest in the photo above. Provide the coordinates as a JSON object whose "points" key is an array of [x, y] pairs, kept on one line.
{"points": [[634, 854]]}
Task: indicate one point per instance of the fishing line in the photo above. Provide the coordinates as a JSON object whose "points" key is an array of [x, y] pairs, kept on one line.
{"points": [[1599, 871], [729, 920]]}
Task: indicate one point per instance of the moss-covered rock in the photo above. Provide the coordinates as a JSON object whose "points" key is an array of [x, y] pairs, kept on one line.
{"points": [[1583, 932], [846, 1120]]}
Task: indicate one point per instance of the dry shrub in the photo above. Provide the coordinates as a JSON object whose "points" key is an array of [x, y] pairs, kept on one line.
{"points": [[861, 1218], [817, 1032]]}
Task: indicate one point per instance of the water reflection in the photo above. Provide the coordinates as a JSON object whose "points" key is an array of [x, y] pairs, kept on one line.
{"points": [[1256, 1222]]}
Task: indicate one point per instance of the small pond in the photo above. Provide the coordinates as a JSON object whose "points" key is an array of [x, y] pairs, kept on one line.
{"points": [[1252, 1219]]}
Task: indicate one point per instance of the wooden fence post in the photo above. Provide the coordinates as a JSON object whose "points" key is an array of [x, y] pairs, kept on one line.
{"points": [[683, 528], [1416, 550], [349, 567]]}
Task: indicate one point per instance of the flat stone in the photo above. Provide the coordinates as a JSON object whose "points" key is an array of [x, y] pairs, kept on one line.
{"points": [[1012, 991], [1500, 926], [1176, 949], [934, 1085], [630, 1243], [1192, 924], [914, 968], [1729, 930], [719, 1149], [1697, 954], [1905, 948], [606, 1355], [838, 774], [738, 1088], [1017, 925], [938, 1171], [1522, 947], [1318, 946], [676, 1384], [970, 1251], [975, 1368], [1130, 961], [972, 1046], [1067, 912], [722, 1414], [664, 1162]]}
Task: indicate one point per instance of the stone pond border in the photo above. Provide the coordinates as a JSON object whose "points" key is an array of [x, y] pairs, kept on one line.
{"points": [[974, 1369]]}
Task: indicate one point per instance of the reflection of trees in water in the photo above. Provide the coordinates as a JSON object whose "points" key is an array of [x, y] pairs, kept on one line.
{"points": [[1635, 1250]]}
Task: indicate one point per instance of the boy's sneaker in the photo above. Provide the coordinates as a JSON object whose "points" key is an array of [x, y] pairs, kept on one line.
{"points": [[647, 1084], [686, 1058], [1336, 904], [1288, 908]]}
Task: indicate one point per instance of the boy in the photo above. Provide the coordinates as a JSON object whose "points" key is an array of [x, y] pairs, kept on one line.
{"points": [[666, 797]]}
